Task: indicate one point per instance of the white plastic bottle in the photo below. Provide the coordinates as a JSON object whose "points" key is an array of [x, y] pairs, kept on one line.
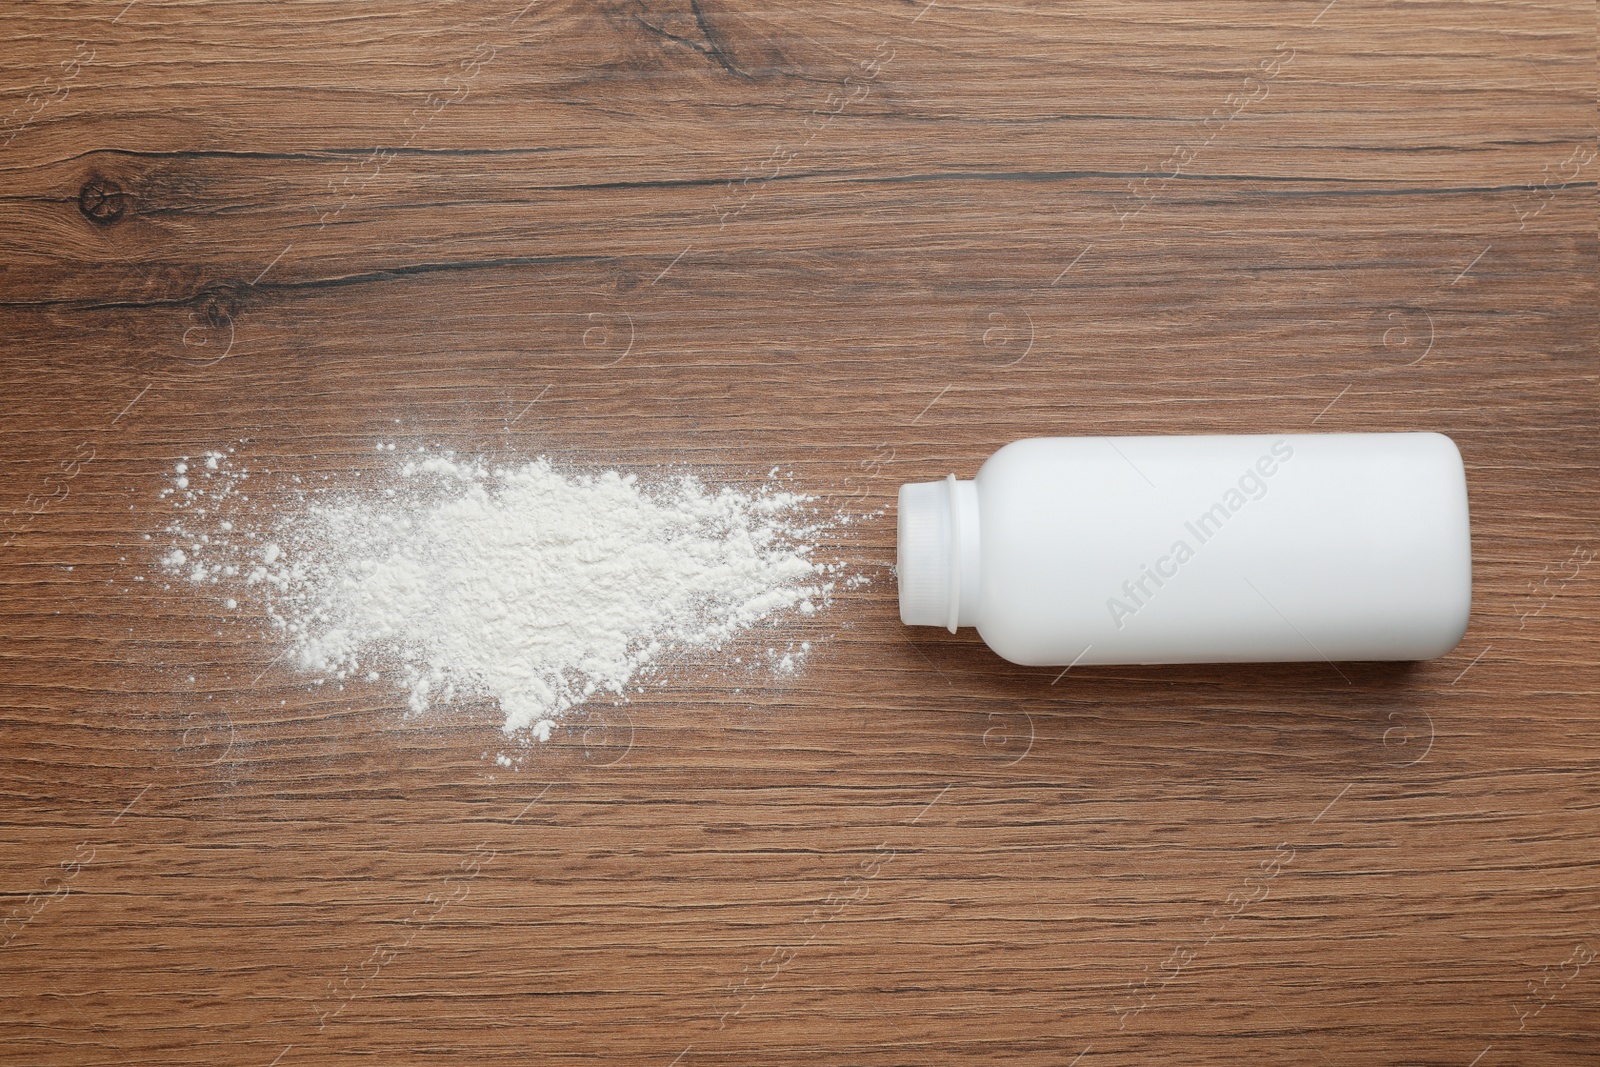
{"points": [[1084, 550]]}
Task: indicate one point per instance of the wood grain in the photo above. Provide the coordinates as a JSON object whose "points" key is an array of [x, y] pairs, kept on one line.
{"points": [[870, 243]]}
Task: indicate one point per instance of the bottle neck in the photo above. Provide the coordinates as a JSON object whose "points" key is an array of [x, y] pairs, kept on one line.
{"points": [[938, 553]]}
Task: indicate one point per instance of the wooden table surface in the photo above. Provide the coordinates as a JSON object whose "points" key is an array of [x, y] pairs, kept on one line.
{"points": [[870, 243]]}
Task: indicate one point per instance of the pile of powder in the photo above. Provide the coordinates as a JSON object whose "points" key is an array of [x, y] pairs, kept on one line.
{"points": [[537, 587]]}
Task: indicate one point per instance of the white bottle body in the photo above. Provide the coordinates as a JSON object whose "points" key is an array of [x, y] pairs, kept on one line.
{"points": [[1213, 549]]}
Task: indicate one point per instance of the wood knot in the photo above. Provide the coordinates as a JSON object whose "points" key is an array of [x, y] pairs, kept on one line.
{"points": [[211, 331], [102, 201], [220, 305]]}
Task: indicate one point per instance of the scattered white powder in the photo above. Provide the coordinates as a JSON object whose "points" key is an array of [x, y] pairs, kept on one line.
{"points": [[537, 587]]}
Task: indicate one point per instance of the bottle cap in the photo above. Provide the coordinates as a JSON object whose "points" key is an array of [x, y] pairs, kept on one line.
{"points": [[937, 553]]}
